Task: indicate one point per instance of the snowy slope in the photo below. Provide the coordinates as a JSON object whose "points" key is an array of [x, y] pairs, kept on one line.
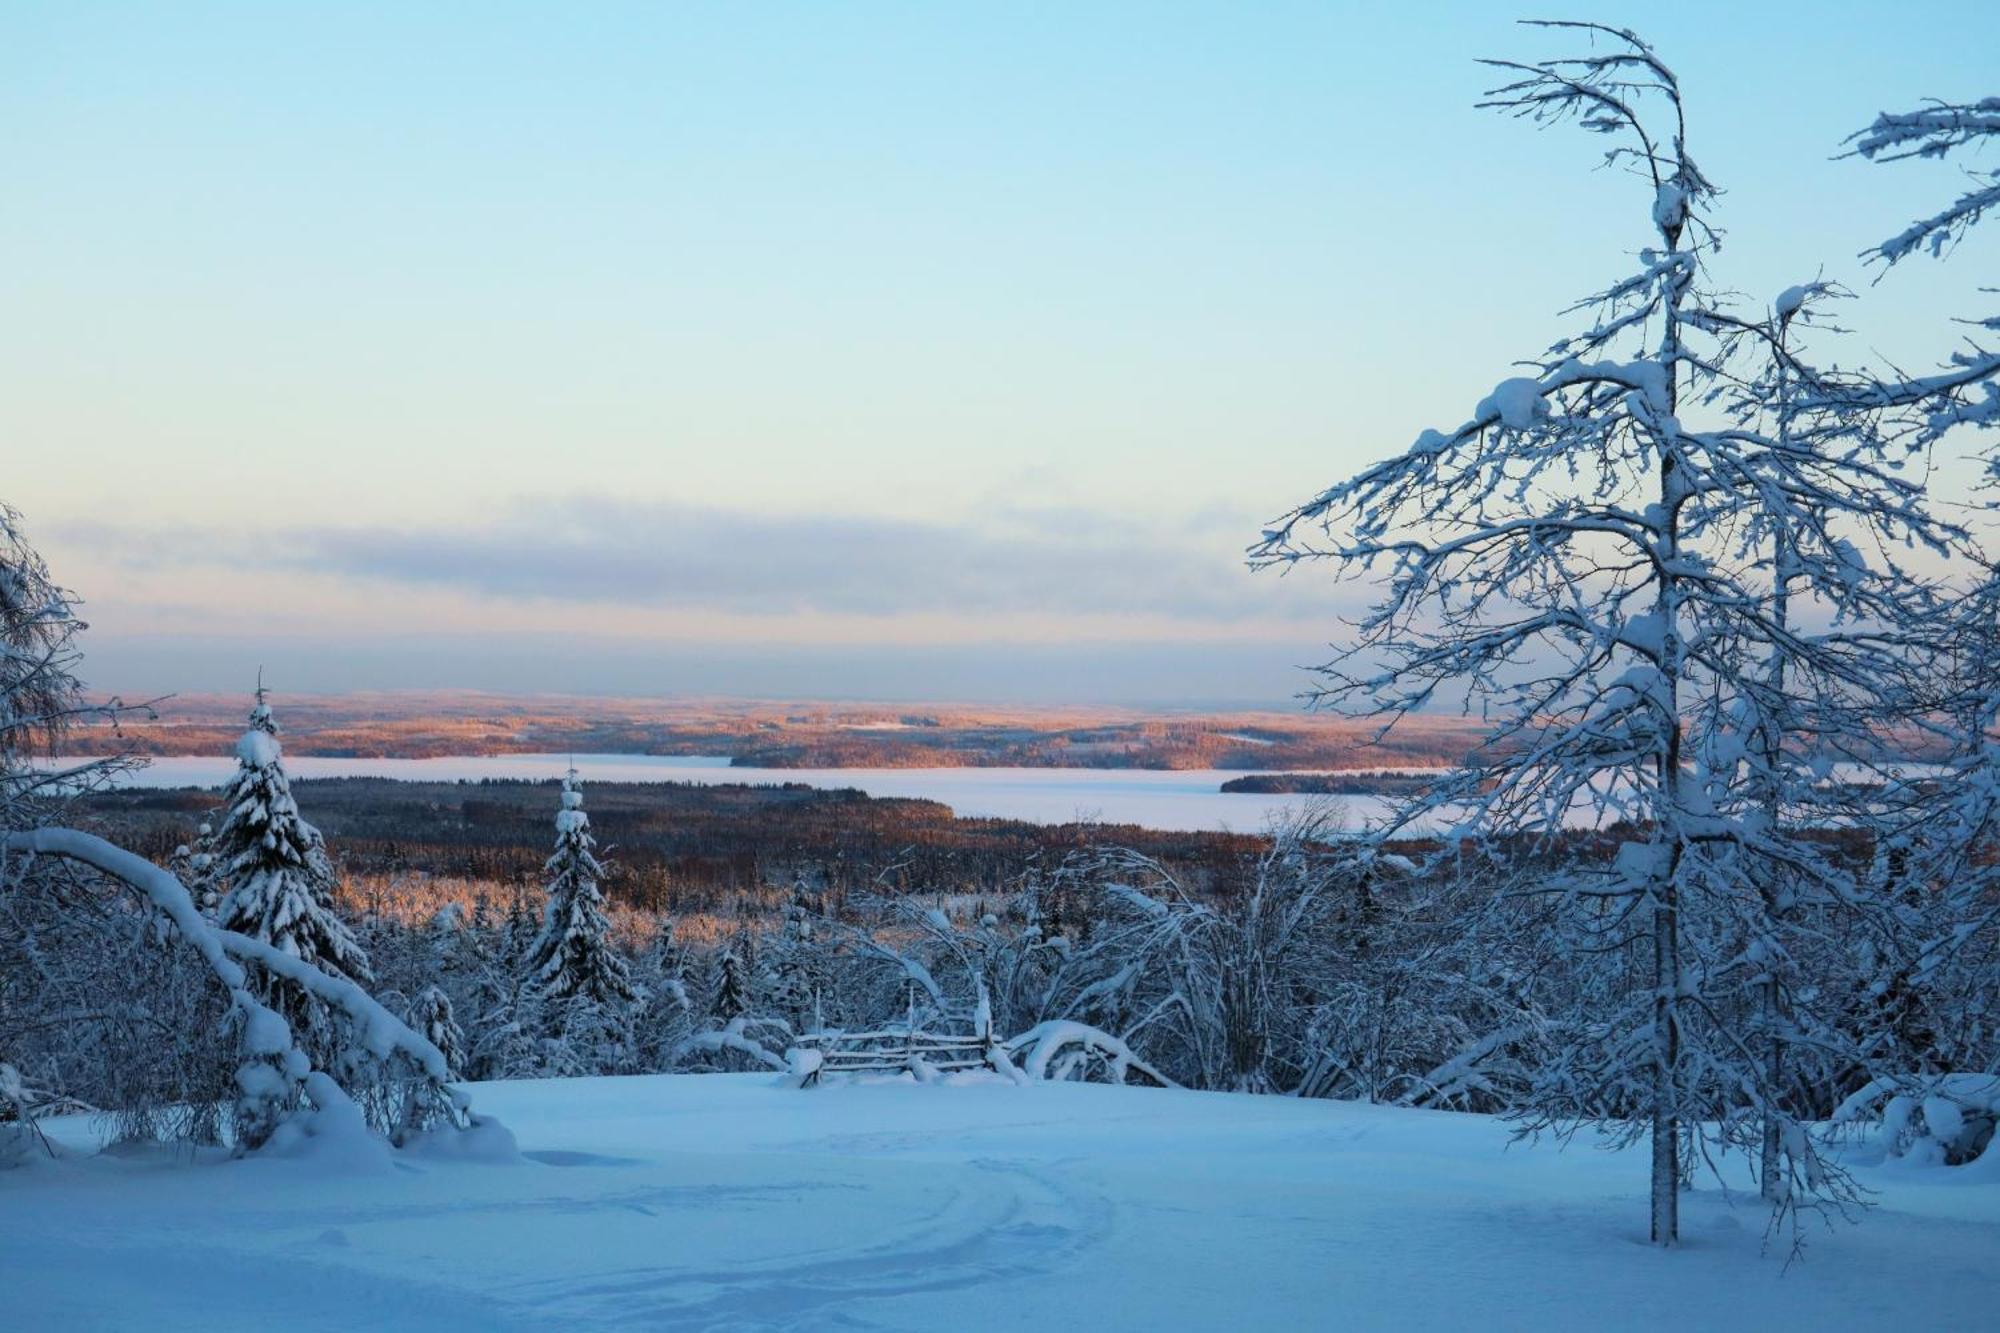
{"points": [[724, 1201]]}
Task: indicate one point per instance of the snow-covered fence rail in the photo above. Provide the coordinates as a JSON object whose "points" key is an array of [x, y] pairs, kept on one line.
{"points": [[897, 1050], [1055, 1051]]}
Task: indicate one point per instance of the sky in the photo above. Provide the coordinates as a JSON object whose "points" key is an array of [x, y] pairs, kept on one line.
{"points": [[858, 350]]}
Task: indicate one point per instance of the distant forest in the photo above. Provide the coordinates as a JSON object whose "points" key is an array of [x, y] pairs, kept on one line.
{"points": [[790, 735], [685, 849]]}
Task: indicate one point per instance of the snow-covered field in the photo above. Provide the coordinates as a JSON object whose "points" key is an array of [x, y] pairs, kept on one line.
{"points": [[1176, 800], [728, 1202]]}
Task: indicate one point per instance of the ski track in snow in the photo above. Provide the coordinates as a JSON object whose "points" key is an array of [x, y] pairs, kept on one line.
{"points": [[1003, 1221]]}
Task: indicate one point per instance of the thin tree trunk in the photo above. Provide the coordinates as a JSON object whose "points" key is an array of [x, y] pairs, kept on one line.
{"points": [[1771, 1159], [1666, 923], [1670, 825], [1667, 1043]]}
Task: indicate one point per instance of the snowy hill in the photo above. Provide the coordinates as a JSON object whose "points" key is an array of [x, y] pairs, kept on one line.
{"points": [[726, 1201]]}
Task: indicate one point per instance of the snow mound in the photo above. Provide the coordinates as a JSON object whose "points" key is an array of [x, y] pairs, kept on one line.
{"points": [[1516, 402], [258, 749]]}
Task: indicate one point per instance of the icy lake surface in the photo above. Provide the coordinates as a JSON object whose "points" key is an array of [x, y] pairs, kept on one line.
{"points": [[1175, 800]]}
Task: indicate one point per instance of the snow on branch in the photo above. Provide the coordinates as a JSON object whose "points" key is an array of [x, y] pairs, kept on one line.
{"points": [[1053, 1049], [1934, 131], [733, 1036], [225, 951]]}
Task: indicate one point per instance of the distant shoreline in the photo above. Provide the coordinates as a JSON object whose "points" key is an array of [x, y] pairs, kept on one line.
{"points": [[782, 735], [1373, 782], [1184, 799]]}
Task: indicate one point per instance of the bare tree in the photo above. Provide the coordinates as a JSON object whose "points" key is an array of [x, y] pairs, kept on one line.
{"points": [[40, 696]]}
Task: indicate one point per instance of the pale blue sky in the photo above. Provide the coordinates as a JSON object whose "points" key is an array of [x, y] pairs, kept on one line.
{"points": [[956, 349]]}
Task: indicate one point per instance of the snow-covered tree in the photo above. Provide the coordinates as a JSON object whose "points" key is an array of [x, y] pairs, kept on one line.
{"points": [[732, 985], [572, 958], [1580, 558], [521, 928], [56, 933], [40, 696], [1929, 985], [665, 960], [665, 1020], [163, 979], [193, 864], [795, 965], [432, 1017], [280, 883]]}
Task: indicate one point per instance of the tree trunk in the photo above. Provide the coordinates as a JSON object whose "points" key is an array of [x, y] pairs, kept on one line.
{"points": [[1666, 1065], [1770, 1165], [1670, 827]]}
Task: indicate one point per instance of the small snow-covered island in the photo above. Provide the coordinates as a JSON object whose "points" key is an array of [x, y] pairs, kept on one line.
{"points": [[796, 486]]}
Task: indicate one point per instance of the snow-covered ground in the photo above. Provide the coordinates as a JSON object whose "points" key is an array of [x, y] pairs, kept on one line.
{"points": [[728, 1202]]}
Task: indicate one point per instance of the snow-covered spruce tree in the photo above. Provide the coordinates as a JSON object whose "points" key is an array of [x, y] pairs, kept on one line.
{"points": [[419, 1103], [737, 1035], [1574, 559], [796, 965], [664, 1022], [279, 884], [431, 1016], [193, 864], [572, 958], [582, 985], [732, 985]]}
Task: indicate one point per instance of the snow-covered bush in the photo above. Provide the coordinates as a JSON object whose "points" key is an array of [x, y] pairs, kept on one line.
{"points": [[1941, 1119]]}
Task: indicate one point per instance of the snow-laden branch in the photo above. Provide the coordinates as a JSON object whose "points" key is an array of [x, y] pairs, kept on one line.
{"points": [[225, 951], [1039, 1047], [1933, 131], [733, 1036]]}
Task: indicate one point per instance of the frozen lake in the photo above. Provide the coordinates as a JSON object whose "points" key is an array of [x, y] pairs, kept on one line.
{"points": [[1176, 800]]}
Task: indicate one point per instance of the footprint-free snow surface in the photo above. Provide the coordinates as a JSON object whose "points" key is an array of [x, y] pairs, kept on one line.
{"points": [[728, 1202]]}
